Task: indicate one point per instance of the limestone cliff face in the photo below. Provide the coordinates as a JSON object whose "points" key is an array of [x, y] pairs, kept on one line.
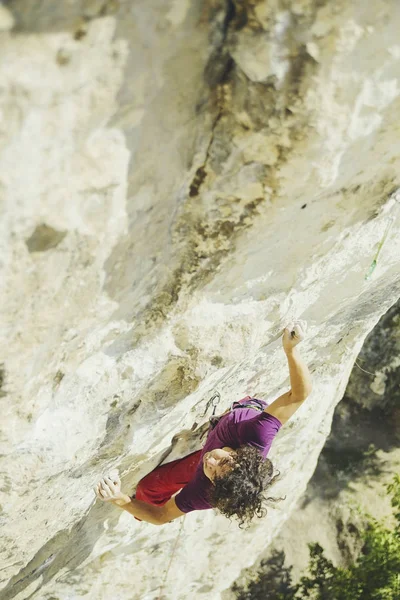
{"points": [[178, 180]]}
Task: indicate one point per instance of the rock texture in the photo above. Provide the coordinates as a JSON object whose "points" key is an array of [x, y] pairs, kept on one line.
{"points": [[178, 180]]}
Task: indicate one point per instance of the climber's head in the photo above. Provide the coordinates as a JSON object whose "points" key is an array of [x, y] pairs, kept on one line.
{"points": [[218, 462], [240, 478]]}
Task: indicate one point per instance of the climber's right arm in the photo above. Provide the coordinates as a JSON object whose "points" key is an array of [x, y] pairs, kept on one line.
{"points": [[300, 379]]}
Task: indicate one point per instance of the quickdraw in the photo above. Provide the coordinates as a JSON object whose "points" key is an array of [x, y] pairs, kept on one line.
{"points": [[396, 198], [213, 401]]}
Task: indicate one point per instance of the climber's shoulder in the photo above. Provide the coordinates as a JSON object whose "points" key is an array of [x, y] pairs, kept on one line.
{"points": [[170, 511]]}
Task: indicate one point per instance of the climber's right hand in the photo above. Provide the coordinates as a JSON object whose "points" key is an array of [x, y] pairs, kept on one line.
{"points": [[294, 332]]}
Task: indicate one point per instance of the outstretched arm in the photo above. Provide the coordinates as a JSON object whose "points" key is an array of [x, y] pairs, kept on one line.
{"points": [[109, 490], [157, 515], [141, 510], [300, 379]]}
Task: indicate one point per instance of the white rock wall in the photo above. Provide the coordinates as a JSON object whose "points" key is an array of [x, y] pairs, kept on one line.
{"points": [[177, 181]]}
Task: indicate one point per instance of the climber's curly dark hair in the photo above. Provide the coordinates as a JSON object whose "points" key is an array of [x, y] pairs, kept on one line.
{"points": [[240, 492]]}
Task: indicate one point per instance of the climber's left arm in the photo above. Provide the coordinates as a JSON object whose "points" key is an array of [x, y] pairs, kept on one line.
{"points": [[157, 515], [109, 490]]}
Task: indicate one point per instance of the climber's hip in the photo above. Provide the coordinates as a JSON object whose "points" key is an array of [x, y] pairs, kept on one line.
{"points": [[163, 482]]}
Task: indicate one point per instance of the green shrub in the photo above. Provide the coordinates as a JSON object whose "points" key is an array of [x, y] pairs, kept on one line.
{"points": [[374, 575]]}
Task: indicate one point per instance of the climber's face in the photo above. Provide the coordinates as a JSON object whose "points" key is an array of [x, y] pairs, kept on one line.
{"points": [[218, 462]]}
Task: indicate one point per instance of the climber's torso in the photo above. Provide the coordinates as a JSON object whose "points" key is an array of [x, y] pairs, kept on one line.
{"points": [[237, 427]]}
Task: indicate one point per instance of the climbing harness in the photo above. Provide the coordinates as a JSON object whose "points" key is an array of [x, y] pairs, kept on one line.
{"points": [[252, 403], [214, 420]]}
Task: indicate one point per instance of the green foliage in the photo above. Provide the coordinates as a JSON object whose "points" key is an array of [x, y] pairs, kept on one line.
{"points": [[374, 575], [394, 489], [274, 576]]}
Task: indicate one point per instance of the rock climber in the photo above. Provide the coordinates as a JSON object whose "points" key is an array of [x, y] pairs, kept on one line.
{"points": [[231, 472]]}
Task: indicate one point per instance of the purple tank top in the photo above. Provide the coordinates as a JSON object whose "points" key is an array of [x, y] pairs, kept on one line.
{"points": [[240, 426]]}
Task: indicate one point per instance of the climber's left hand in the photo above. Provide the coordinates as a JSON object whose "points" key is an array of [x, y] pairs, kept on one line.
{"points": [[109, 490]]}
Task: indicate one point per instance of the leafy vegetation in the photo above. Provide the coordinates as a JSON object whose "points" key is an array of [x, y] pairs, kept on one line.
{"points": [[374, 575]]}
